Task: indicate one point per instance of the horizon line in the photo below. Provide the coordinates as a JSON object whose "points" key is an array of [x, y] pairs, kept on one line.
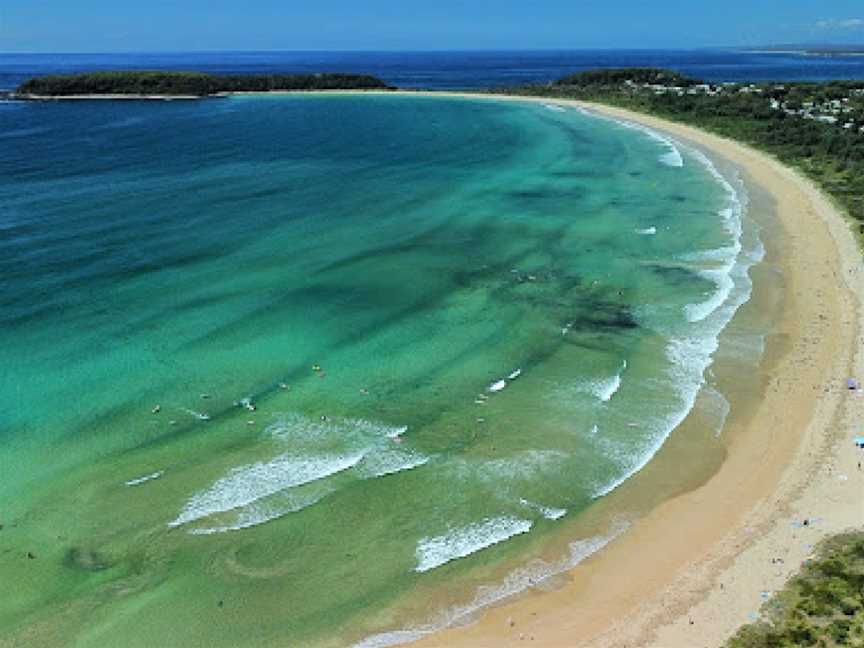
{"points": [[395, 51]]}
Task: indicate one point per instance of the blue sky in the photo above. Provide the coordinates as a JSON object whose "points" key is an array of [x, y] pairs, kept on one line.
{"points": [[174, 25]]}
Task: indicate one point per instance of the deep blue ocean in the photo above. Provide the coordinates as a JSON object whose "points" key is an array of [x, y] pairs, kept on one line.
{"points": [[451, 70]]}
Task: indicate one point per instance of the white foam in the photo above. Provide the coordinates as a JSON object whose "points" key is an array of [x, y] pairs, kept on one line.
{"points": [[199, 415], [724, 283], [522, 466], [728, 256], [554, 107], [672, 157], [718, 406], [691, 362], [246, 484], [383, 463], [395, 637], [517, 581], [298, 429], [690, 355], [497, 386], [548, 512], [246, 403], [551, 513], [648, 231], [146, 478], [689, 358], [720, 277], [258, 513], [256, 493], [605, 389], [393, 432], [459, 543], [724, 255]]}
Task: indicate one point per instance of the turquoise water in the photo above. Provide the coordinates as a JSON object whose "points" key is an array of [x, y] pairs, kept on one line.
{"points": [[272, 363]]}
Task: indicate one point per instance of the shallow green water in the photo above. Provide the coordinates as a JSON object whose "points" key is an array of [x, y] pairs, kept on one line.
{"points": [[389, 339]]}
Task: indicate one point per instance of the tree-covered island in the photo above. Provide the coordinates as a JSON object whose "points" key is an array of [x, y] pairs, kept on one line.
{"points": [[187, 84]]}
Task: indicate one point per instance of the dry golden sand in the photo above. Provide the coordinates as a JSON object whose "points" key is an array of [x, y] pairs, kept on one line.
{"points": [[694, 569]]}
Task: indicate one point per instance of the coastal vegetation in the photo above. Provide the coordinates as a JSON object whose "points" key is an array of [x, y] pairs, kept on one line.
{"points": [[155, 83], [617, 76], [817, 128], [822, 606]]}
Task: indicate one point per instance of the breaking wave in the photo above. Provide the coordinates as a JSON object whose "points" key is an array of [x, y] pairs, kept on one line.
{"points": [[548, 512], [146, 478], [459, 543], [605, 389], [247, 484], [389, 463], [691, 354], [517, 581], [255, 493], [262, 512]]}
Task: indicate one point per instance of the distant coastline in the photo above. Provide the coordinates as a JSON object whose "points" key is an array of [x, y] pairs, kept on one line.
{"points": [[807, 52], [819, 49]]}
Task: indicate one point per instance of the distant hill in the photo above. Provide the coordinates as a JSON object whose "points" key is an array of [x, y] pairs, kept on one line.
{"points": [[196, 84], [617, 76]]}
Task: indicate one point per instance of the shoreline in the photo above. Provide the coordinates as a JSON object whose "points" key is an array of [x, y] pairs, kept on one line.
{"points": [[698, 584], [674, 575]]}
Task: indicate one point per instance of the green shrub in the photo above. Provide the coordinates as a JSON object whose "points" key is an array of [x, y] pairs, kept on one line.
{"points": [[821, 606]]}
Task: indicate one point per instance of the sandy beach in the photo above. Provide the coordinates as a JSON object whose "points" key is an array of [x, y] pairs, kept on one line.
{"points": [[697, 567]]}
